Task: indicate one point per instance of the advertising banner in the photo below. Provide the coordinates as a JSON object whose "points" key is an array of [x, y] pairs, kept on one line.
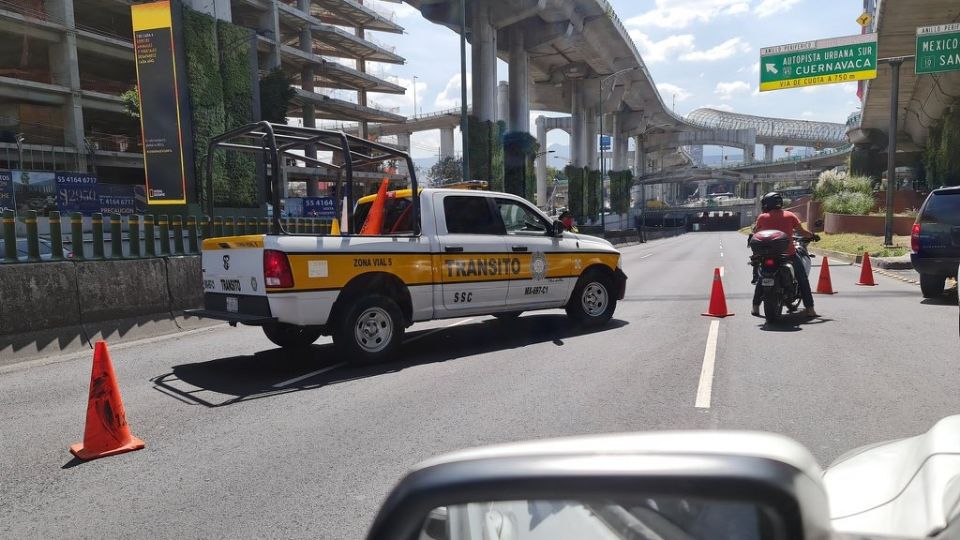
{"points": [[160, 115]]}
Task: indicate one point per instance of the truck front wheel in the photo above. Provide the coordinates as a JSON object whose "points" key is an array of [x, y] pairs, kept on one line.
{"points": [[291, 336], [371, 331]]}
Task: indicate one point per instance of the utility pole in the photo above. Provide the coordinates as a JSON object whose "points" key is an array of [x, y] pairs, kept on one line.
{"points": [[895, 64], [464, 128]]}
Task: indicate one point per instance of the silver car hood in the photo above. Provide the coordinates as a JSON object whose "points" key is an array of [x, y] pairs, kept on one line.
{"points": [[908, 487]]}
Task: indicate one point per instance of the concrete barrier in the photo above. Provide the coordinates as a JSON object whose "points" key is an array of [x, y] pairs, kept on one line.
{"points": [[49, 308]]}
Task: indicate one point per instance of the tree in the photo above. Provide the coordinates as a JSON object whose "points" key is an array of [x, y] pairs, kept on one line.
{"points": [[275, 94], [447, 170]]}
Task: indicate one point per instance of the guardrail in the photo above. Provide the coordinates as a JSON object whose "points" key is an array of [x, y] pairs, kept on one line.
{"points": [[130, 237]]}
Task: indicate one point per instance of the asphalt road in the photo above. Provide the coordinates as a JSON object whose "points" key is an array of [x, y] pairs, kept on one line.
{"points": [[244, 441]]}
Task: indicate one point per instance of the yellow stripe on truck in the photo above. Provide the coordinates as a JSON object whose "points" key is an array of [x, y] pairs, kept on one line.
{"points": [[234, 242], [318, 271]]}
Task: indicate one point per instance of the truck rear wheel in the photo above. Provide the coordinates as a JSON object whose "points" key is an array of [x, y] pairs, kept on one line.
{"points": [[932, 286], [592, 302], [291, 336], [371, 330]]}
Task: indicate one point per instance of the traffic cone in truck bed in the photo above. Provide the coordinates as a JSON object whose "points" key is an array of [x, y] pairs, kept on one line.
{"points": [[718, 301], [373, 226], [106, 432]]}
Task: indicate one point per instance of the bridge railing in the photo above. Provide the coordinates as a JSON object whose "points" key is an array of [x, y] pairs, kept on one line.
{"points": [[127, 237]]}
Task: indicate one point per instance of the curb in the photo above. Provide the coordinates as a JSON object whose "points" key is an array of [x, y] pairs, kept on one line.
{"points": [[880, 266]]}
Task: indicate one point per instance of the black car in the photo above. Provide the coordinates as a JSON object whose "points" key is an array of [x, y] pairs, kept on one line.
{"points": [[935, 240]]}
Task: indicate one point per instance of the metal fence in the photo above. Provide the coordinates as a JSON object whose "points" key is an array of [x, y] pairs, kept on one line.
{"points": [[129, 237]]}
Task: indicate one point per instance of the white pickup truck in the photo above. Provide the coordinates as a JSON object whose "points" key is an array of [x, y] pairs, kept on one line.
{"points": [[449, 253]]}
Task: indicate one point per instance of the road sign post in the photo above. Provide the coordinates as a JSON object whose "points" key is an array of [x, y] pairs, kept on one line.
{"points": [[822, 61], [938, 48]]}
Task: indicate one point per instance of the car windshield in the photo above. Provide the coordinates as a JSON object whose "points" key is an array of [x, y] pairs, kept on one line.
{"points": [[261, 259]]}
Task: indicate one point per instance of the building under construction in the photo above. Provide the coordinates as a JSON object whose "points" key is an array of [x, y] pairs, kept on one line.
{"points": [[67, 74]]}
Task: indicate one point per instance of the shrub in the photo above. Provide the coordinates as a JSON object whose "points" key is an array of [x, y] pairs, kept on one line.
{"points": [[829, 183], [858, 184], [849, 203]]}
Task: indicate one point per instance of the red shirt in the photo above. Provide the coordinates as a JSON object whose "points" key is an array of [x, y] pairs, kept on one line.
{"points": [[779, 220]]}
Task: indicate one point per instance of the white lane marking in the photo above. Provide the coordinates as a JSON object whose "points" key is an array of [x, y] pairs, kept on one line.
{"points": [[647, 255], [705, 389], [722, 271], [721, 254], [435, 330], [308, 375]]}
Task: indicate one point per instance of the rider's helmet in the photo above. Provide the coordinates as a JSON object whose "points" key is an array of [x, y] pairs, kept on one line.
{"points": [[771, 201]]}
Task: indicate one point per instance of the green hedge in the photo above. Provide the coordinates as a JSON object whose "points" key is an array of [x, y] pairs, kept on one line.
{"points": [[486, 151], [941, 157], [593, 193], [275, 95], [221, 97], [519, 148], [574, 191], [620, 184]]}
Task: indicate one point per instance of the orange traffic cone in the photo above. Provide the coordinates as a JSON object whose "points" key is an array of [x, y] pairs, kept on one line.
{"points": [[106, 431], [824, 284], [866, 272], [718, 301], [374, 223]]}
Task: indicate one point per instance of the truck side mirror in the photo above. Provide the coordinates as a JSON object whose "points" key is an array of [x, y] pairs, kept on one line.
{"points": [[558, 229]]}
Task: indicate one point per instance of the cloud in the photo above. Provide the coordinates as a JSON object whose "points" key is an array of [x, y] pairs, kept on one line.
{"points": [[722, 51], [658, 51], [726, 90], [767, 8], [450, 96], [720, 107], [682, 13], [668, 91], [683, 46]]}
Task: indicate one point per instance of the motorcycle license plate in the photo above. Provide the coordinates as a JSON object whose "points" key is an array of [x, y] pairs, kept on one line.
{"points": [[233, 305], [767, 282]]}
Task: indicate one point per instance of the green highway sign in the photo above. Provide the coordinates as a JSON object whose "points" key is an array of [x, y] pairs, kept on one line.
{"points": [[821, 61], [938, 48]]}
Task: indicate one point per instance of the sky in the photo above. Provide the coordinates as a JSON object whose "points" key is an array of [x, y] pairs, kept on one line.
{"points": [[700, 53]]}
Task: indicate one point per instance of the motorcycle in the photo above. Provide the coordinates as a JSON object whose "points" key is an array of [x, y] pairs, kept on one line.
{"points": [[774, 269]]}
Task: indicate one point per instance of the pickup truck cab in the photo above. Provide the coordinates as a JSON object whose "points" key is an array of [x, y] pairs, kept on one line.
{"points": [[456, 253]]}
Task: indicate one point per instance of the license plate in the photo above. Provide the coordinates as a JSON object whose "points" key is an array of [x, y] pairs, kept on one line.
{"points": [[232, 305], [767, 282]]}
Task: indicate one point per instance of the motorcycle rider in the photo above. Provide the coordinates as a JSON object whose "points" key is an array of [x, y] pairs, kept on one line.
{"points": [[774, 217]]}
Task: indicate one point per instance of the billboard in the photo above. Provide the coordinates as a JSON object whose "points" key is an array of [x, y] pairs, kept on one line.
{"points": [[7, 200], [160, 116], [77, 192]]}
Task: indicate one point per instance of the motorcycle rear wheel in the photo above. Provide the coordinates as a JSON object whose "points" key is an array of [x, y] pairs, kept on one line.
{"points": [[772, 307]]}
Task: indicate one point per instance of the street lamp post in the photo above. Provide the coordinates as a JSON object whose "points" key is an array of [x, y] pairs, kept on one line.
{"points": [[414, 95], [603, 218], [463, 91]]}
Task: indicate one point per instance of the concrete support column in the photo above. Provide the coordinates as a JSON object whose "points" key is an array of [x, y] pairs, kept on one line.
{"points": [[702, 187], [590, 139], [503, 101], [270, 22], [541, 163], [519, 71], [639, 159], [748, 154], [484, 68], [621, 144], [219, 9], [768, 152], [579, 120], [65, 72], [446, 143], [403, 142], [306, 82]]}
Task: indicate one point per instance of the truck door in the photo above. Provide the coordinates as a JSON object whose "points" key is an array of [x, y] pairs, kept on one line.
{"points": [[546, 261], [473, 262]]}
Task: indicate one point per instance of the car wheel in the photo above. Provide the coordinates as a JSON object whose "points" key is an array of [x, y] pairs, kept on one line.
{"points": [[592, 302], [931, 286], [291, 336], [371, 331], [508, 316]]}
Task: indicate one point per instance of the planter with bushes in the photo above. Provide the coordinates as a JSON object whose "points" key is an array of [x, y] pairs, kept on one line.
{"points": [[841, 223]]}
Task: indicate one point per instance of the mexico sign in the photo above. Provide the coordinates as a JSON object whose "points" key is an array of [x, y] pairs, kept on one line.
{"points": [[822, 61], [938, 48]]}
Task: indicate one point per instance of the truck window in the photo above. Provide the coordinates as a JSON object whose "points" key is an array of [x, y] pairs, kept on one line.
{"points": [[398, 217], [470, 215], [520, 219]]}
